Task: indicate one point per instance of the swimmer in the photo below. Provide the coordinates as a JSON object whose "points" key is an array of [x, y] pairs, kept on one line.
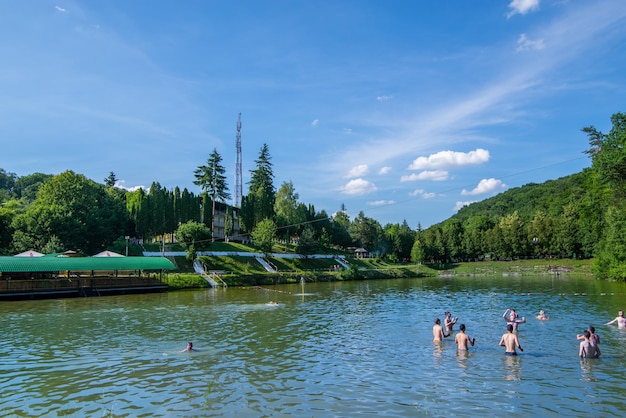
{"points": [[621, 321], [462, 339], [542, 315], [593, 338], [188, 348], [587, 349], [509, 341], [438, 333], [512, 319], [449, 322], [272, 303]]}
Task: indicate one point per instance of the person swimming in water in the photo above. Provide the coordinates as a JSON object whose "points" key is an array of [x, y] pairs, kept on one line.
{"points": [[189, 347], [542, 315]]}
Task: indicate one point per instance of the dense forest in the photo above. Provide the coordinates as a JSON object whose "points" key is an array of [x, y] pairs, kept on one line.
{"points": [[581, 215]]}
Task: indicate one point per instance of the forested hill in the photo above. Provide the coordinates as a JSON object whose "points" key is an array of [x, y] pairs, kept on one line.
{"points": [[558, 218], [549, 197]]}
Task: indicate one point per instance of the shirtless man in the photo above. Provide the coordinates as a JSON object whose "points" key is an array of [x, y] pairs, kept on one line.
{"points": [[438, 333], [510, 341], [462, 339], [593, 338], [449, 322], [542, 315], [512, 318], [587, 348], [621, 321]]}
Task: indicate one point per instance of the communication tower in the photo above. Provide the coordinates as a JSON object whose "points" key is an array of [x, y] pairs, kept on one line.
{"points": [[238, 185]]}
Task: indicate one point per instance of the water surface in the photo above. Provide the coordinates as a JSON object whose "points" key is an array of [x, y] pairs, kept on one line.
{"points": [[339, 349]]}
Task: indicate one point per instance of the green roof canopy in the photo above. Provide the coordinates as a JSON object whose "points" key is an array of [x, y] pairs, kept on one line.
{"points": [[45, 264]]}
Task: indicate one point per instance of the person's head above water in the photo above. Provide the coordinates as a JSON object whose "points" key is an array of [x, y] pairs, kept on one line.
{"points": [[462, 327]]}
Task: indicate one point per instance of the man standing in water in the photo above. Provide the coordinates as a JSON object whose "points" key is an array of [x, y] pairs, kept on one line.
{"points": [[449, 321], [510, 341], [587, 348], [621, 321], [438, 333], [512, 319], [462, 339]]}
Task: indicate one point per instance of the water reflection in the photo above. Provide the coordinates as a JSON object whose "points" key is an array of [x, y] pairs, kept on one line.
{"points": [[461, 357], [586, 367], [512, 367]]}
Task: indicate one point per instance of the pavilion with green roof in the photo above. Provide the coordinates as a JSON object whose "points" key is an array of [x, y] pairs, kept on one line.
{"points": [[35, 275]]}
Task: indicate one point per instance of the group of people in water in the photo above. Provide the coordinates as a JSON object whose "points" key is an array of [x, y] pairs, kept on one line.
{"points": [[589, 346]]}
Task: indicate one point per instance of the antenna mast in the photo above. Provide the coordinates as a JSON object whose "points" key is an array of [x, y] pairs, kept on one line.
{"points": [[238, 185]]}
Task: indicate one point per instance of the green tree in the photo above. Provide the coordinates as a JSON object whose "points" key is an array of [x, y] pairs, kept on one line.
{"points": [[608, 153], [229, 223], [258, 205], [264, 235], [567, 232], [289, 214], [6, 229], [366, 232], [514, 235], [212, 180], [452, 230], [308, 243], [474, 234], [110, 180], [541, 235], [193, 236], [610, 262], [26, 187], [339, 229], [7, 184], [78, 211], [418, 254]]}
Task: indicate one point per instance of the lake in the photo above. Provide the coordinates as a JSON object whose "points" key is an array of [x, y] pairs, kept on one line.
{"points": [[327, 349]]}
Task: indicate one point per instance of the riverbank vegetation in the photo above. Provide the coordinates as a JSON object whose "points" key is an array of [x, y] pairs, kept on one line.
{"points": [[242, 271], [578, 217]]}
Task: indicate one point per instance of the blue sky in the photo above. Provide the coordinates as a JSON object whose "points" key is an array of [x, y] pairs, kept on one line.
{"points": [[404, 110]]}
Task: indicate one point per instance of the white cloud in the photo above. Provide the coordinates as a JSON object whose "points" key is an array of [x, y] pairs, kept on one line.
{"points": [[384, 170], [60, 9], [459, 205], [421, 193], [522, 7], [444, 159], [485, 186], [381, 202], [315, 122], [384, 98], [524, 44], [358, 171], [120, 184], [358, 187], [434, 175], [347, 131]]}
